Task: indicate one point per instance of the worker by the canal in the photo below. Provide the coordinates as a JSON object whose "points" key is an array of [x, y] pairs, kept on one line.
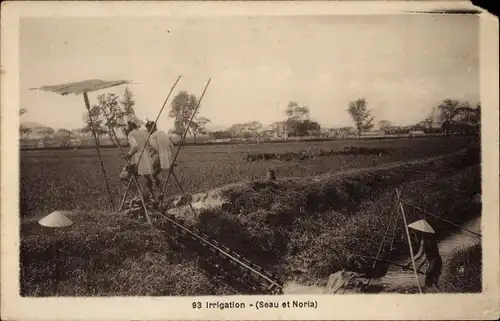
{"points": [[161, 151], [141, 160], [429, 249]]}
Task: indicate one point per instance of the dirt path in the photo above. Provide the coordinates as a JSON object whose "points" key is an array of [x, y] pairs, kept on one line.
{"points": [[396, 277]]}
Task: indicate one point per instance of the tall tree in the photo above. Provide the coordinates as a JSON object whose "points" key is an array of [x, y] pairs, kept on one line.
{"points": [[64, 136], [182, 109], [128, 102], [447, 109], [183, 106], [199, 126], [296, 112], [384, 125], [45, 133], [109, 115], [95, 122], [298, 122], [428, 122], [363, 120]]}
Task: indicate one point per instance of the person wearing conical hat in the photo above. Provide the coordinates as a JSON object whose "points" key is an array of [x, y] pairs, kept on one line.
{"points": [[141, 160], [429, 248]]}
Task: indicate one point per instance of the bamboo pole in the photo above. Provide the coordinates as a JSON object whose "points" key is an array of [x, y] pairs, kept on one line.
{"points": [[125, 194], [439, 218], [393, 217], [147, 140], [409, 239], [385, 261], [97, 145], [181, 142]]}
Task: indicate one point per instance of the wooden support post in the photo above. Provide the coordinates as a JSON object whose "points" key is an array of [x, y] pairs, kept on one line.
{"points": [[87, 105], [125, 194], [409, 239], [143, 201]]}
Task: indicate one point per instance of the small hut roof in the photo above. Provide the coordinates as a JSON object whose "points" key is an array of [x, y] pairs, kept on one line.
{"points": [[80, 87]]}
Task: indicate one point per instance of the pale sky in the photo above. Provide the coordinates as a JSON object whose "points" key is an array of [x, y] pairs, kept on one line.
{"points": [[403, 65]]}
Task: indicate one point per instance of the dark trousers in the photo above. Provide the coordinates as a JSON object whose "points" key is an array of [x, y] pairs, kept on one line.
{"points": [[433, 271]]}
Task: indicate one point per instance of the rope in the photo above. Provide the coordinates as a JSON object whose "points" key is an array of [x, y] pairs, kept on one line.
{"points": [[439, 218], [377, 258]]}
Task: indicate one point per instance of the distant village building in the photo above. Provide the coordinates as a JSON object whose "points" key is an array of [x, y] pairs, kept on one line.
{"points": [[280, 130], [415, 133], [40, 143], [345, 132], [375, 133], [328, 132], [29, 143], [314, 132]]}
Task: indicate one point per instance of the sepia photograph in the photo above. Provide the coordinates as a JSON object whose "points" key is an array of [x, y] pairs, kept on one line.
{"points": [[250, 154]]}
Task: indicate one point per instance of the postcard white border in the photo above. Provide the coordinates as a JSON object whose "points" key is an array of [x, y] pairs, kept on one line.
{"points": [[367, 307]]}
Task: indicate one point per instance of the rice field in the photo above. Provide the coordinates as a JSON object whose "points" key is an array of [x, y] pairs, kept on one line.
{"points": [[300, 229], [72, 180]]}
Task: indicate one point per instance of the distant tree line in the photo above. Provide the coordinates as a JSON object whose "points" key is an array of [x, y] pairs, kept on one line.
{"points": [[108, 118], [453, 116]]}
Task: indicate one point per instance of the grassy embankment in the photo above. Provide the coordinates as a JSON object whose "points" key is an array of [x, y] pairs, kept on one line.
{"points": [[302, 228]]}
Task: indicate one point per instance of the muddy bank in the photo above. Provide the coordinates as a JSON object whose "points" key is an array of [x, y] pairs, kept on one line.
{"points": [[307, 154]]}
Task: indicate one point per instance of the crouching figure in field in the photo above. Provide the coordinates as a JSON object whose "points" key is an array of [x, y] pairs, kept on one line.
{"points": [[429, 248]]}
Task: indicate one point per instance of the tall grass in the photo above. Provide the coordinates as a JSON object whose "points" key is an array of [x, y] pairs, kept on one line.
{"points": [[464, 271]]}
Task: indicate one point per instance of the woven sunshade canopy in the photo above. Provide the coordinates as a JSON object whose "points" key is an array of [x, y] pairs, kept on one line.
{"points": [[80, 87]]}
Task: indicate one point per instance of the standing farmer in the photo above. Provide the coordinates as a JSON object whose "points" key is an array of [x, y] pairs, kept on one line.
{"points": [[161, 151], [429, 248], [137, 139]]}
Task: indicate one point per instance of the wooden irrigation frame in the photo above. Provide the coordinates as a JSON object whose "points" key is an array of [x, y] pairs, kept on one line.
{"points": [[399, 207], [171, 168]]}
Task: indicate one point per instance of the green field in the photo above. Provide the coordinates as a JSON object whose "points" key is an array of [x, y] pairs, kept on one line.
{"points": [[71, 179], [300, 229]]}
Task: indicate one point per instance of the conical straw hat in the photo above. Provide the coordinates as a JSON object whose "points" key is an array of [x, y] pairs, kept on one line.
{"points": [[422, 226], [55, 219]]}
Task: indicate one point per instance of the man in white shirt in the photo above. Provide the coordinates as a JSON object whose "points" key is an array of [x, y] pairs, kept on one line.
{"points": [[142, 163], [161, 151]]}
